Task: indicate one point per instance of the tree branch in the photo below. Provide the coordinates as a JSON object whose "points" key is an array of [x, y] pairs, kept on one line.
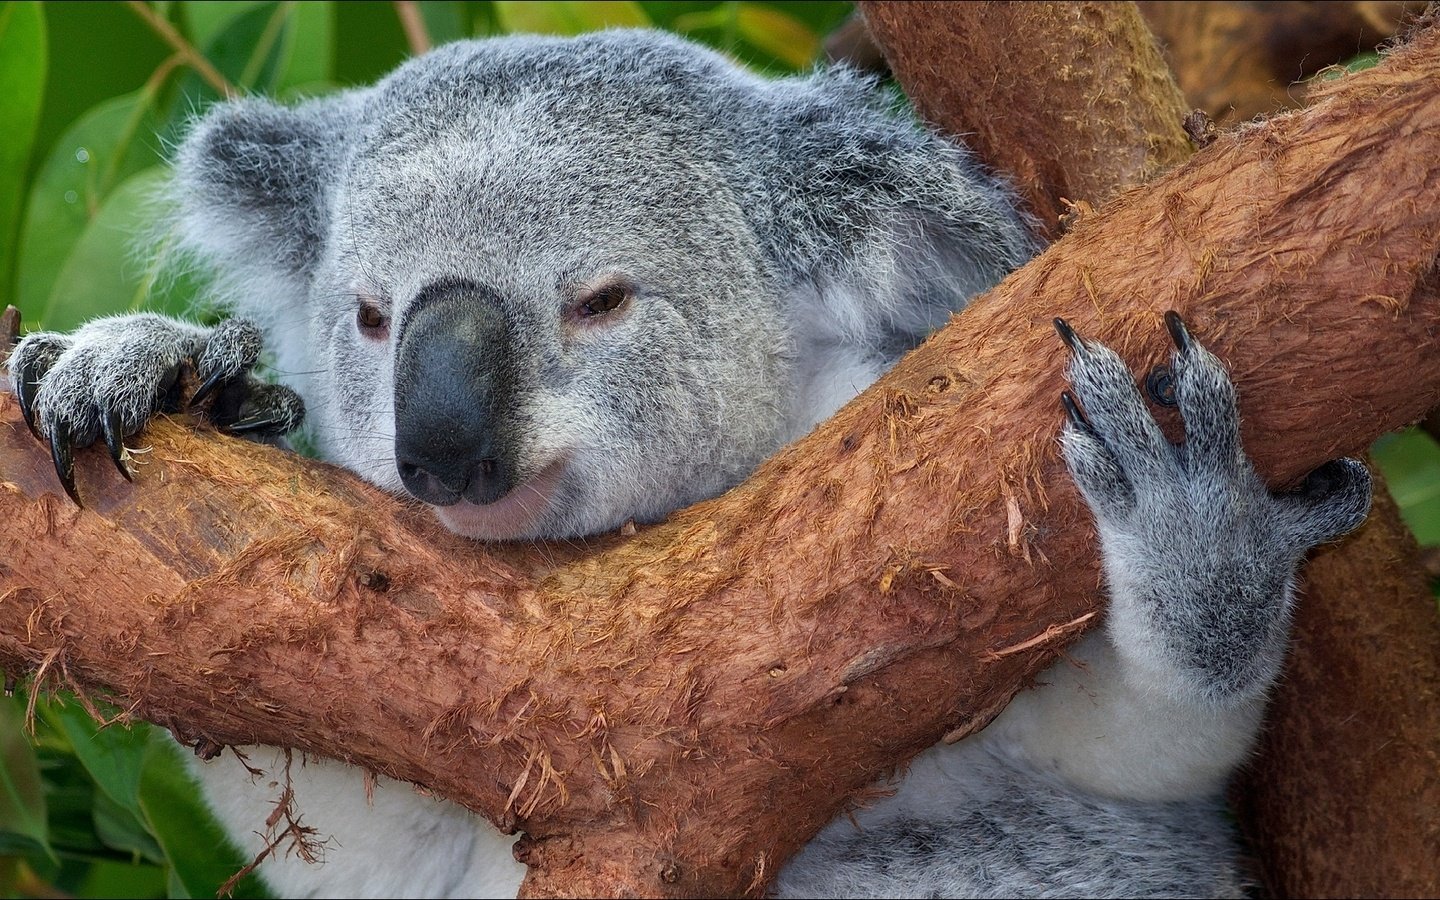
{"points": [[677, 712]]}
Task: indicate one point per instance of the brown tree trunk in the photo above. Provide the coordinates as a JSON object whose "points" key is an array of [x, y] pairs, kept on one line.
{"points": [[1369, 833], [1071, 100], [1238, 59], [675, 713]]}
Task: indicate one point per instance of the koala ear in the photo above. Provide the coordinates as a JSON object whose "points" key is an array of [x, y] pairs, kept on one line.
{"points": [[251, 186], [888, 227]]}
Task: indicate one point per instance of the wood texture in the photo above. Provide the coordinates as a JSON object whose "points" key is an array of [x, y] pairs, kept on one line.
{"points": [[677, 712], [1322, 835], [1068, 99], [1237, 59]]}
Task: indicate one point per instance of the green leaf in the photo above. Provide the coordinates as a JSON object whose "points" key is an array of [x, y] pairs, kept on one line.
{"points": [[113, 755], [148, 805], [308, 54], [205, 19], [200, 855], [107, 270], [105, 146], [119, 828], [782, 36], [23, 821], [115, 879], [444, 21], [23, 60], [1411, 462], [269, 47], [568, 16]]}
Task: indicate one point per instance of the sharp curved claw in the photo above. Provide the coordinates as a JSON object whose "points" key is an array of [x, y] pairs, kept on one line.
{"points": [[114, 435], [63, 456], [1178, 332], [24, 392], [254, 425], [1072, 410], [206, 388], [1068, 335]]}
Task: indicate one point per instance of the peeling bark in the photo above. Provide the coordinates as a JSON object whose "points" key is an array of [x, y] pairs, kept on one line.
{"points": [[676, 712]]}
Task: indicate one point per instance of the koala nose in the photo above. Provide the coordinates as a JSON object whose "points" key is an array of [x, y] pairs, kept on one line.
{"points": [[444, 482], [454, 397]]}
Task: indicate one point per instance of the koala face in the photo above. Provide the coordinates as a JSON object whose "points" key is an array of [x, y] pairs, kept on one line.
{"points": [[546, 285], [526, 325]]}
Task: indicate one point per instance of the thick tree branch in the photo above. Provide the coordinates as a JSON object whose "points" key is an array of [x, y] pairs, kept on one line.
{"points": [[1072, 100], [655, 712], [1237, 59], [1339, 797]]}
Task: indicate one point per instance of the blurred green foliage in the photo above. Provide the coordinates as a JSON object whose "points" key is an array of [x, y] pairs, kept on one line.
{"points": [[91, 95]]}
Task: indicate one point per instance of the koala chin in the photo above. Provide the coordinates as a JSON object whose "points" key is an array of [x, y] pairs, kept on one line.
{"points": [[546, 286]]}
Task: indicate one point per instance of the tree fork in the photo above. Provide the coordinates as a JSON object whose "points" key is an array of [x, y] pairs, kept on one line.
{"points": [[676, 712], [1338, 797]]}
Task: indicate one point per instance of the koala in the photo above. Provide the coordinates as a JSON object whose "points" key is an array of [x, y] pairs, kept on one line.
{"points": [[546, 286]]}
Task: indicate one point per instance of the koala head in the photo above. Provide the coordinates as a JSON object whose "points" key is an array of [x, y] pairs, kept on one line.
{"points": [[548, 285]]}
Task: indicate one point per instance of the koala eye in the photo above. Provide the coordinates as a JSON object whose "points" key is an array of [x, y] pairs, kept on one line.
{"points": [[600, 300], [372, 320]]}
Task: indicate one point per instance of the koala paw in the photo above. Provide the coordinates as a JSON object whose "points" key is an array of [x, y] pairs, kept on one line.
{"points": [[1191, 534], [107, 379]]}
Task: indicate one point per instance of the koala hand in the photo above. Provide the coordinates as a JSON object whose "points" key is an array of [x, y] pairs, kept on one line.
{"points": [[108, 378], [1200, 556]]}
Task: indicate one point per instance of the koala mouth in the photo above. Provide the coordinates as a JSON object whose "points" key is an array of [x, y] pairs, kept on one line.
{"points": [[517, 515]]}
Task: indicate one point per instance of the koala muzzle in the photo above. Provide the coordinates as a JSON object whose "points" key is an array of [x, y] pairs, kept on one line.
{"points": [[453, 397]]}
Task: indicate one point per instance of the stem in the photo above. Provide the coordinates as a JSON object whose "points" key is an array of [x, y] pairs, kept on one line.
{"points": [[416, 34], [194, 58]]}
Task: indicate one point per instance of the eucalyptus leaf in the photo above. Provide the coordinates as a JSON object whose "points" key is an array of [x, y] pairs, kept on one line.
{"points": [[113, 755], [23, 60], [99, 151], [200, 856], [782, 36], [308, 52], [270, 46], [23, 821], [205, 19], [445, 21], [119, 828], [107, 271], [568, 16]]}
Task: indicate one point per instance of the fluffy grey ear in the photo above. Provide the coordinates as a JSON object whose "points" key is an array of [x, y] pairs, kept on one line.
{"points": [[252, 178], [886, 227]]}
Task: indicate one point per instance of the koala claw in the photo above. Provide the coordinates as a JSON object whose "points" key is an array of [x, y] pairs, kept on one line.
{"points": [[113, 429], [1067, 400], [28, 370], [106, 380], [63, 456], [1178, 332], [24, 394], [208, 386], [1067, 334]]}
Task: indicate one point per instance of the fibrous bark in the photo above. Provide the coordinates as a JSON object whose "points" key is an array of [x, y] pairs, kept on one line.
{"points": [[1070, 100], [1238, 59], [1333, 816], [676, 712]]}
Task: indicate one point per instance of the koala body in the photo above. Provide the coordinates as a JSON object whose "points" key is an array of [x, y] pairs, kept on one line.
{"points": [[547, 286]]}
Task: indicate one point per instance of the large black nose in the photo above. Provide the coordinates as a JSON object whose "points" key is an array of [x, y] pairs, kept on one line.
{"points": [[454, 396]]}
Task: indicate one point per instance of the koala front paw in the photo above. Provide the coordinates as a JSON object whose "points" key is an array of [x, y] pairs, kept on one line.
{"points": [[107, 379], [1194, 542]]}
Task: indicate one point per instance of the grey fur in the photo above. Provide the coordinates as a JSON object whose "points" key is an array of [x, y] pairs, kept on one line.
{"points": [[778, 244]]}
